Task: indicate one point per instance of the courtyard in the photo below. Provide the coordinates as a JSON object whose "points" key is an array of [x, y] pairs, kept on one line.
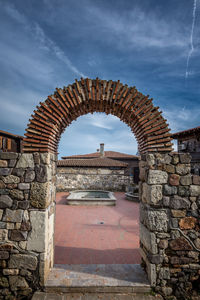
{"points": [[97, 234]]}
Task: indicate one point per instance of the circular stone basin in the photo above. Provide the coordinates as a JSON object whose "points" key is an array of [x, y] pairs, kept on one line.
{"points": [[91, 197]]}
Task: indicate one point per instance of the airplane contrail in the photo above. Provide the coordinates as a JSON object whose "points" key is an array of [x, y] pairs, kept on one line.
{"points": [[191, 38]]}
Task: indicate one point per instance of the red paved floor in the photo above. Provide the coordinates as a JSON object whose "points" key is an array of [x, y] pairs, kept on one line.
{"points": [[80, 240]]}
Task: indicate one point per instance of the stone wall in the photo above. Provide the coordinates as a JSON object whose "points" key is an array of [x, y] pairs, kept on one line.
{"points": [[74, 178], [169, 229], [27, 195]]}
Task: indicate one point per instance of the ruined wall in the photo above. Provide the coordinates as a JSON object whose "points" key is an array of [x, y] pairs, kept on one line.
{"points": [[169, 229], [27, 195], [74, 178]]}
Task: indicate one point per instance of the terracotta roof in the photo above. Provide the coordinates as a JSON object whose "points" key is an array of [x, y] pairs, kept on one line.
{"points": [[5, 133], [186, 132], [108, 154], [93, 162]]}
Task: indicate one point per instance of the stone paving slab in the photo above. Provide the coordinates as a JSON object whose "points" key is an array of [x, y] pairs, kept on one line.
{"points": [[96, 296]]}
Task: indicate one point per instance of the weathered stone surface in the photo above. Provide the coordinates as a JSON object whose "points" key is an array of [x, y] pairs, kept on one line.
{"points": [[18, 172], [151, 268], [3, 282], [23, 204], [40, 194], [24, 186], [23, 261], [8, 155], [1, 213], [183, 191], [43, 173], [25, 161], [182, 169], [169, 190], [174, 179], [29, 175], [169, 169], [5, 171], [12, 163], [185, 158], [150, 159], [2, 185], [5, 201], [45, 158], [13, 215], [3, 163], [163, 244], [157, 220], [16, 194], [17, 282], [186, 180], [187, 223], [178, 213], [11, 179], [10, 272], [38, 237], [11, 186], [179, 202], [4, 254], [151, 194], [18, 235], [195, 190], [196, 179], [3, 234], [3, 225], [157, 177], [148, 239], [197, 243], [26, 226], [164, 273], [180, 244]]}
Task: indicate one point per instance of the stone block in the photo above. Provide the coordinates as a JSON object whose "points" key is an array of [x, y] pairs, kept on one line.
{"points": [[182, 169], [4, 254], [186, 180], [10, 272], [169, 190], [11, 179], [185, 158], [178, 213], [196, 179], [157, 220], [148, 239], [8, 155], [17, 194], [40, 194], [18, 172], [163, 244], [164, 273], [183, 191], [38, 237], [169, 169], [157, 177], [2, 185], [23, 204], [151, 194], [13, 215], [2, 225], [5, 171], [18, 283], [45, 158], [12, 163], [179, 203], [188, 223], [174, 179], [43, 173], [4, 282], [1, 213], [150, 159], [180, 244], [195, 190], [3, 163], [29, 175], [25, 161], [24, 186], [150, 268], [18, 235], [23, 261], [5, 201], [3, 234]]}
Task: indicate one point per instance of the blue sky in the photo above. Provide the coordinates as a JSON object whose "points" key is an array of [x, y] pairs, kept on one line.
{"points": [[46, 44]]}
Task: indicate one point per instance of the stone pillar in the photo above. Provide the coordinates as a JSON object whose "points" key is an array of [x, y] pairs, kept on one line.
{"points": [[169, 223], [27, 206]]}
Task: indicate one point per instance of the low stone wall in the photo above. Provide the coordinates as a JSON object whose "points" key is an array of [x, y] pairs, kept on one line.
{"points": [[91, 179], [169, 229], [27, 194]]}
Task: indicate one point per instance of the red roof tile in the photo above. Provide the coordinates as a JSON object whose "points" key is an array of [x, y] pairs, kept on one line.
{"points": [[108, 154], [186, 132], [93, 162]]}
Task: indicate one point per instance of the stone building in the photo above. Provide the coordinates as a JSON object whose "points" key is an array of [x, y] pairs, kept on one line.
{"points": [[10, 142], [189, 142], [95, 173], [131, 161]]}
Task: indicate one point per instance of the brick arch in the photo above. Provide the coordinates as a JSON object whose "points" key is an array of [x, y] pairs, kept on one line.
{"points": [[88, 96]]}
